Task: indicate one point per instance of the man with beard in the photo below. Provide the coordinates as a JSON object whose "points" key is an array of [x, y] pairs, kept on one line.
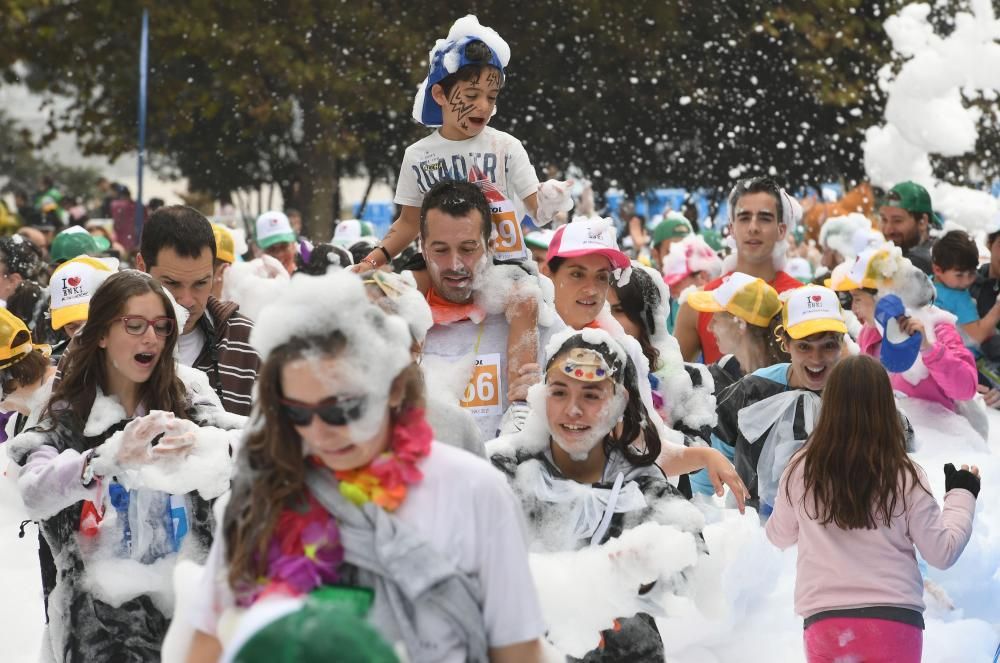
{"points": [[906, 218], [455, 239]]}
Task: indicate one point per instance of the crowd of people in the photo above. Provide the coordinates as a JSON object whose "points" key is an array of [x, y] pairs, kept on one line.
{"points": [[372, 446]]}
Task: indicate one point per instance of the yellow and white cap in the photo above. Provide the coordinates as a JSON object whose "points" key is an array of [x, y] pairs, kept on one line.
{"points": [[15, 339], [225, 245], [812, 309], [747, 297], [72, 286]]}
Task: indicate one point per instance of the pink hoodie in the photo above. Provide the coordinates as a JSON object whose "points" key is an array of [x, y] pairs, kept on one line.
{"points": [[953, 375], [840, 568]]}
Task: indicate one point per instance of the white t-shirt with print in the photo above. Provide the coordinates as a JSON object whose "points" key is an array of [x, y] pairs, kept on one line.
{"points": [[465, 509], [496, 159]]}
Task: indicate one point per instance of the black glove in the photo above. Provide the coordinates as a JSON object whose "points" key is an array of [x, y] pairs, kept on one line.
{"points": [[960, 479]]}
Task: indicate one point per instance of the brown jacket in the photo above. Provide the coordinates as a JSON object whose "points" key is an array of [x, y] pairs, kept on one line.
{"points": [[227, 358]]}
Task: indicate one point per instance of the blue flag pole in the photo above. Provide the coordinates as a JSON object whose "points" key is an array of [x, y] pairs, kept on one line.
{"points": [[143, 68]]}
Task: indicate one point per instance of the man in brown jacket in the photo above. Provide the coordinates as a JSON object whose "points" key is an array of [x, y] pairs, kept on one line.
{"points": [[178, 250]]}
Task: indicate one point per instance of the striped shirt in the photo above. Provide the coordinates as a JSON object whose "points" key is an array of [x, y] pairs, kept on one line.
{"points": [[227, 358]]}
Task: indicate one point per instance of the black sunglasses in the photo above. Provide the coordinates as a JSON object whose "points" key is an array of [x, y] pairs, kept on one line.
{"points": [[334, 411]]}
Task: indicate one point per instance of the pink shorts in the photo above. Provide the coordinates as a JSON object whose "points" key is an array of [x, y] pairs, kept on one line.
{"points": [[861, 640]]}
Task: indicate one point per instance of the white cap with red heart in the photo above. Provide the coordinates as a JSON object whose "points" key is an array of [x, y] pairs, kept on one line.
{"points": [[72, 286]]}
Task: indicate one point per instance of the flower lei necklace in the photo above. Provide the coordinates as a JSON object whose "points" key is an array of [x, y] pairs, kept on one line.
{"points": [[305, 550], [384, 481]]}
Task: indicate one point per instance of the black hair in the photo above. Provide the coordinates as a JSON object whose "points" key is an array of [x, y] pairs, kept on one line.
{"points": [[757, 185], [639, 299], [636, 422], [480, 55], [360, 249], [155, 204], [30, 303], [992, 237], [457, 198], [21, 256], [956, 250], [179, 227], [324, 256], [555, 263]]}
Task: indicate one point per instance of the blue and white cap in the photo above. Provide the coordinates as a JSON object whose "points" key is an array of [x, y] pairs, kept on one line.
{"points": [[448, 56]]}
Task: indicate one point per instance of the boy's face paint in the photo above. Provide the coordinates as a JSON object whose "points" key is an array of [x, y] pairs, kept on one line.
{"points": [[469, 107]]}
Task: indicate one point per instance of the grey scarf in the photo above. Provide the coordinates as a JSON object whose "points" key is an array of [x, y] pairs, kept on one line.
{"points": [[406, 573]]}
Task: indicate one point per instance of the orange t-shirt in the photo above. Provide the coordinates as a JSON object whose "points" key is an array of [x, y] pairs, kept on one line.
{"points": [[709, 348]]}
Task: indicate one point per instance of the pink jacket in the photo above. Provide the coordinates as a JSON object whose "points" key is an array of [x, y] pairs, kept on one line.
{"points": [[840, 568], [953, 375]]}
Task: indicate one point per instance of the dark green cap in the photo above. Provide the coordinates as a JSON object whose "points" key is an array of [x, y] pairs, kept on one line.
{"points": [[673, 226], [68, 245], [913, 198], [318, 632]]}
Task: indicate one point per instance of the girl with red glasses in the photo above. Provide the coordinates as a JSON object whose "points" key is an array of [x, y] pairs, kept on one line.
{"points": [[119, 474]]}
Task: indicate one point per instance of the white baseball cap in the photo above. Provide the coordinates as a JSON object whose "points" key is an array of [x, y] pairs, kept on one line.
{"points": [[274, 228], [72, 286], [812, 309]]}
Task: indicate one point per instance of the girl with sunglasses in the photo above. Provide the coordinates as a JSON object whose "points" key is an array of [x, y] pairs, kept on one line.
{"points": [[342, 494], [121, 418]]}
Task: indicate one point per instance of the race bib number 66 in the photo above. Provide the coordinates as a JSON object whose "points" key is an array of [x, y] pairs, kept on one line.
{"points": [[482, 394]]}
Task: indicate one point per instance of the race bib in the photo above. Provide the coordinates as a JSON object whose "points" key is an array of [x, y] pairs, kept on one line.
{"points": [[508, 243], [482, 394]]}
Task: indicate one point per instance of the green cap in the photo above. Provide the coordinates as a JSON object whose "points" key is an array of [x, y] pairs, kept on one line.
{"points": [[674, 226], [713, 238], [68, 245], [317, 632], [913, 198]]}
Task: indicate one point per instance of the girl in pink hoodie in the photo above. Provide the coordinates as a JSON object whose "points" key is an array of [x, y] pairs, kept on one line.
{"points": [[856, 505]]}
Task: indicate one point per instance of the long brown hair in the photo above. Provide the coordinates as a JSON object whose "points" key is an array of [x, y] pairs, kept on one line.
{"points": [[271, 469], [855, 466], [85, 361]]}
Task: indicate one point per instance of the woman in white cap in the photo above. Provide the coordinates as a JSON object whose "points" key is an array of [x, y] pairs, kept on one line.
{"points": [[768, 414]]}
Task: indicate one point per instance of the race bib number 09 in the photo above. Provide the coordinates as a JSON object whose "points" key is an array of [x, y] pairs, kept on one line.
{"points": [[508, 242], [482, 394]]}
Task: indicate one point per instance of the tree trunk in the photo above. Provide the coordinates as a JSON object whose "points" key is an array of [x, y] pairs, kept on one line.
{"points": [[319, 182], [364, 199]]}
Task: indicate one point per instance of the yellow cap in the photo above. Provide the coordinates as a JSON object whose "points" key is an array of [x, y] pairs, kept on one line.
{"points": [[10, 327], [810, 310], [873, 268], [840, 278], [225, 245], [748, 298], [73, 284]]}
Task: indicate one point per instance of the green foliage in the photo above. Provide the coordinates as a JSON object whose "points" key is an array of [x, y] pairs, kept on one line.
{"points": [[301, 92], [21, 167]]}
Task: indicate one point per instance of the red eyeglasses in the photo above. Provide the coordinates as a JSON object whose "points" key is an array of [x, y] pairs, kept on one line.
{"points": [[136, 325]]}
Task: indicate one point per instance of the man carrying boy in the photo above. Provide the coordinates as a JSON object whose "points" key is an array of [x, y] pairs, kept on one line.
{"points": [[459, 97], [906, 217]]}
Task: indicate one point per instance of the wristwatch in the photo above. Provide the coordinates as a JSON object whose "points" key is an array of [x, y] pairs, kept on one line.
{"points": [[87, 476]]}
